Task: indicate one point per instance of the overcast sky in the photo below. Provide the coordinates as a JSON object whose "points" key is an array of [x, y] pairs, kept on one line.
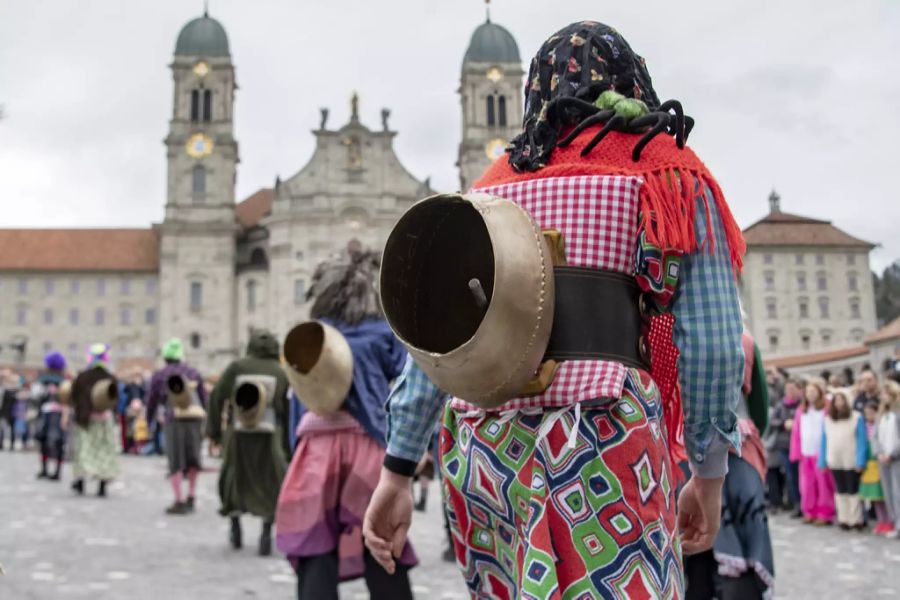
{"points": [[801, 95]]}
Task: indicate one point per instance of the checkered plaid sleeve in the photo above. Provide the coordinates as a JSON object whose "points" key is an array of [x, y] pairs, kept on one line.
{"points": [[708, 331], [413, 409]]}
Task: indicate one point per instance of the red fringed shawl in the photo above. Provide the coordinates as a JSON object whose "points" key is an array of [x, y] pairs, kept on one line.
{"points": [[667, 204]]}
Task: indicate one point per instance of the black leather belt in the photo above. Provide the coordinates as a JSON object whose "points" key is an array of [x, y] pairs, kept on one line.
{"points": [[597, 316]]}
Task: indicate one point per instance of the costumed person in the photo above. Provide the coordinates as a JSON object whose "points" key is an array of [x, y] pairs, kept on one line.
{"points": [[53, 392], [568, 489], [816, 485], [96, 446], [251, 394], [179, 389], [741, 564], [340, 437], [10, 388]]}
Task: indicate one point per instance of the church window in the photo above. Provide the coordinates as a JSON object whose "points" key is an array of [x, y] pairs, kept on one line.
{"points": [[854, 309], [99, 316], [501, 110], [251, 295], [75, 286], [73, 316], [821, 281], [195, 105], [150, 316], [196, 296], [101, 287], [258, 258], [48, 316], [804, 308], [195, 340], [150, 285], [771, 310], [198, 182], [823, 308], [23, 286], [207, 105], [804, 340], [125, 287], [852, 282], [50, 286], [22, 315], [773, 341], [491, 119], [125, 316]]}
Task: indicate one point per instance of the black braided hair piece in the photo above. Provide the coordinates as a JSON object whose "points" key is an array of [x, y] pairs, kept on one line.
{"points": [[668, 118]]}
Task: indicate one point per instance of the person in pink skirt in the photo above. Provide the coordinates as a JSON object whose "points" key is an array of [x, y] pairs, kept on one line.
{"points": [[816, 484]]}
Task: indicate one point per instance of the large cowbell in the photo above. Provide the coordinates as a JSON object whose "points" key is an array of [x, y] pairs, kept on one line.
{"points": [[319, 365], [254, 402], [467, 286], [183, 396], [104, 395]]}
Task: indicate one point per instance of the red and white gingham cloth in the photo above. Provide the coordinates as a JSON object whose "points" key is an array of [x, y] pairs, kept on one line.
{"points": [[598, 217]]}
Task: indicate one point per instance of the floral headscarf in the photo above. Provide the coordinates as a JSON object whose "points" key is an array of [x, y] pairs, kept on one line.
{"points": [[581, 61]]}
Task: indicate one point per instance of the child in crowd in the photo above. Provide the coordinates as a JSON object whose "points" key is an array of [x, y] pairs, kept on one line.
{"points": [[844, 452], [886, 446], [870, 482], [816, 485]]}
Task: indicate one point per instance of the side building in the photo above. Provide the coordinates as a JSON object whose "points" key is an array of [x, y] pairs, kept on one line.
{"points": [[807, 285]]}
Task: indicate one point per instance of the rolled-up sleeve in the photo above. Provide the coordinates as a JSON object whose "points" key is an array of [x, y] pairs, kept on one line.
{"points": [[708, 332], [413, 408]]}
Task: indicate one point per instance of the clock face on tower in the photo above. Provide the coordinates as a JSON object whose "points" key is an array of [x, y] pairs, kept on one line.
{"points": [[494, 74], [199, 145], [495, 148], [201, 68]]}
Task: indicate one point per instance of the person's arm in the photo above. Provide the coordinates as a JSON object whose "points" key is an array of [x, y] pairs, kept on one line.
{"points": [[862, 444], [154, 398], [220, 394], [413, 408], [758, 399], [708, 332], [202, 396]]}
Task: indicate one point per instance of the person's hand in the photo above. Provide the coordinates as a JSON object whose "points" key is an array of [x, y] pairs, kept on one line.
{"points": [[388, 519], [699, 513], [860, 470], [884, 458], [788, 424]]}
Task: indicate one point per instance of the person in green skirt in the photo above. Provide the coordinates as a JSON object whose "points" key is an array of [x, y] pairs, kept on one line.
{"points": [[870, 482], [251, 400]]}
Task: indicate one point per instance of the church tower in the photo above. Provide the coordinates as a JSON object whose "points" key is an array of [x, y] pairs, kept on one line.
{"points": [[197, 237], [491, 94]]}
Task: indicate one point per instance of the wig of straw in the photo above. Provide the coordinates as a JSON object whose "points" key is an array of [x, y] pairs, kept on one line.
{"points": [[344, 288]]}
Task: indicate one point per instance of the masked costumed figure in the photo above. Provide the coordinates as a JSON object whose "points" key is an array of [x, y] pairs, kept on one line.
{"points": [[53, 393], [741, 565], [95, 444], [251, 394], [552, 303], [340, 437], [180, 389]]}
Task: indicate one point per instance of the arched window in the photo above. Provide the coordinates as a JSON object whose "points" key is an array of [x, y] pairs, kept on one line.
{"points": [[195, 340], [251, 295], [207, 105], [198, 182], [195, 105], [491, 120], [501, 109], [258, 258]]}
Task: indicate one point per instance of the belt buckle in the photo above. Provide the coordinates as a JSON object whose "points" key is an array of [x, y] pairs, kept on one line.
{"points": [[542, 380]]}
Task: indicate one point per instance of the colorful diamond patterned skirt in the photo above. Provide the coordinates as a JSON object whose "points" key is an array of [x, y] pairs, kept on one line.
{"points": [[565, 504]]}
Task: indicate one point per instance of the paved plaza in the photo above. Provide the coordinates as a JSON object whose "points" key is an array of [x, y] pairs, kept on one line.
{"points": [[54, 545]]}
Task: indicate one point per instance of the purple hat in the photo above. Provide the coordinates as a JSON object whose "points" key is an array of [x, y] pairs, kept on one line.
{"points": [[55, 361]]}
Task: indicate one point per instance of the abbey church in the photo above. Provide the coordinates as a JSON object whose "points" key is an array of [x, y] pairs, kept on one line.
{"points": [[216, 268]]}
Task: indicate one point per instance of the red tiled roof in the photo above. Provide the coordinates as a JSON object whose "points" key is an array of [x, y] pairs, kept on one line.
{"points": [[816, 358], [251, 211], [784, 229], [79, 250], [888, 332]]}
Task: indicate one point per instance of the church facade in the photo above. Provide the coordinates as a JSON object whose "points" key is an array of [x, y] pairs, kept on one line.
{"points": [[214, 269]]}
